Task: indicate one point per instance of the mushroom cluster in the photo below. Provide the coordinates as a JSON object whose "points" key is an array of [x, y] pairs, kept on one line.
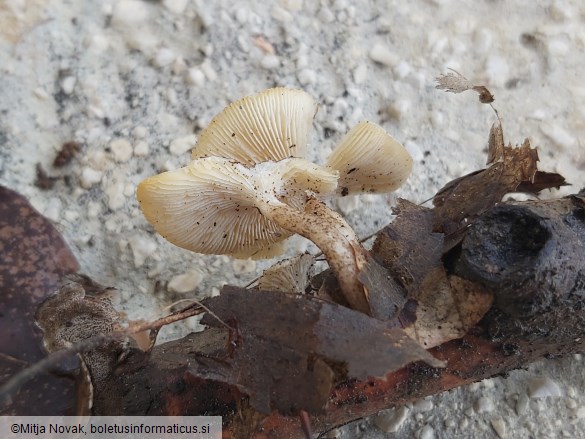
{"points": [[249, 186]]}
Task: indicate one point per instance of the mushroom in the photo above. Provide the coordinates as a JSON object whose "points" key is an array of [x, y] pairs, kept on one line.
{"points": [[249, 186]]}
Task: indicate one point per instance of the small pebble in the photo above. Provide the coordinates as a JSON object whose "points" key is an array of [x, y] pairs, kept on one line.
{"points": [[208, 70], [334, 434], [383, 55], [175, 6], [580, 412], [141, 149], [484, 405], [269, 62], [292, 5], [68, 84], [140, 132], [423, 406], [121, 149], [414, 150], [164, 57], [129, 12], [282, 15], [179, 66], [195, 77], [183, 283], [90, 177], [183, 144], [499, 427], [307, 76], [142, 247], [325, 15], [390, 421], [543, 387], [360, 73], [115, 194], [522, 404], [427, 432]]}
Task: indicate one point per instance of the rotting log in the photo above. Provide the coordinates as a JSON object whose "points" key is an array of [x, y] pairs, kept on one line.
{"points": [[530, 254]]}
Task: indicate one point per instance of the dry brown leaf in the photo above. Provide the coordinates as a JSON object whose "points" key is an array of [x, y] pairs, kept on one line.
{"points": [[33, 257], [513, 169], [288, 352]]}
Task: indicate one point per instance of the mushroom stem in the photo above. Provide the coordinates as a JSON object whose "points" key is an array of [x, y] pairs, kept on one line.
{"points": [[336, 239]]}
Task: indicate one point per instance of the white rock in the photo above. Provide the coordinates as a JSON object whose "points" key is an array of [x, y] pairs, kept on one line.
{"points": [[484, 405], [179, 66], [140, 132], [427, 432], [121, 149], [175, 6], [402, 70], [208, 70], [90, 177], [142, 247], [543, 387], [141, 149], [98, 43], [383, 55], [580, 412], [499, 426], [398, 108], [183, 283], [281, 15], [292, 5], [164, 57], [115, 194], [307, 76], [522, 404], [128, 13], [94, 210], [71, 215], [325, 15], [360, 73], [183, 144], [334, 434], [195, 77], [41, 93], [68, 84], [390, 421], [242, 266], [241, 15], [270, 62], [53, 209], [423, 406]]}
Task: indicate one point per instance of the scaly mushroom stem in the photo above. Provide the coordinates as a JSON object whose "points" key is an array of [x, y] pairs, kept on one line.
{"points": [[336, 239]]}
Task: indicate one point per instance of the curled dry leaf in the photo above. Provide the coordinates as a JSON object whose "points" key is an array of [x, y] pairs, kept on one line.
{"points": [[513, 169], [441, 307], [33, 257], [305, 346]]}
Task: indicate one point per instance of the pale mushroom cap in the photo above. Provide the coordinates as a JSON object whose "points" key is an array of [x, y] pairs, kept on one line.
{"points": [[209, 206], [271, 125], [370, 160]]}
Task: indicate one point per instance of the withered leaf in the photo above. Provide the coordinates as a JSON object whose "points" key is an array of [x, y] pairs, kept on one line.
{"points": [[385, 296], [408, 247], [455, 82], [33, 257], [439, 309], [513, 169], [289, 351]]}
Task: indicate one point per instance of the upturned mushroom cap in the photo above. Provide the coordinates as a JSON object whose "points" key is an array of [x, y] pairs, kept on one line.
{"points": [[271, 125], [370, 160], [209, 206]]}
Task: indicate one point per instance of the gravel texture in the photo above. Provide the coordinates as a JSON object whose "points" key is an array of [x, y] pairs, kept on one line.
{"points": [[133, 83]]}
